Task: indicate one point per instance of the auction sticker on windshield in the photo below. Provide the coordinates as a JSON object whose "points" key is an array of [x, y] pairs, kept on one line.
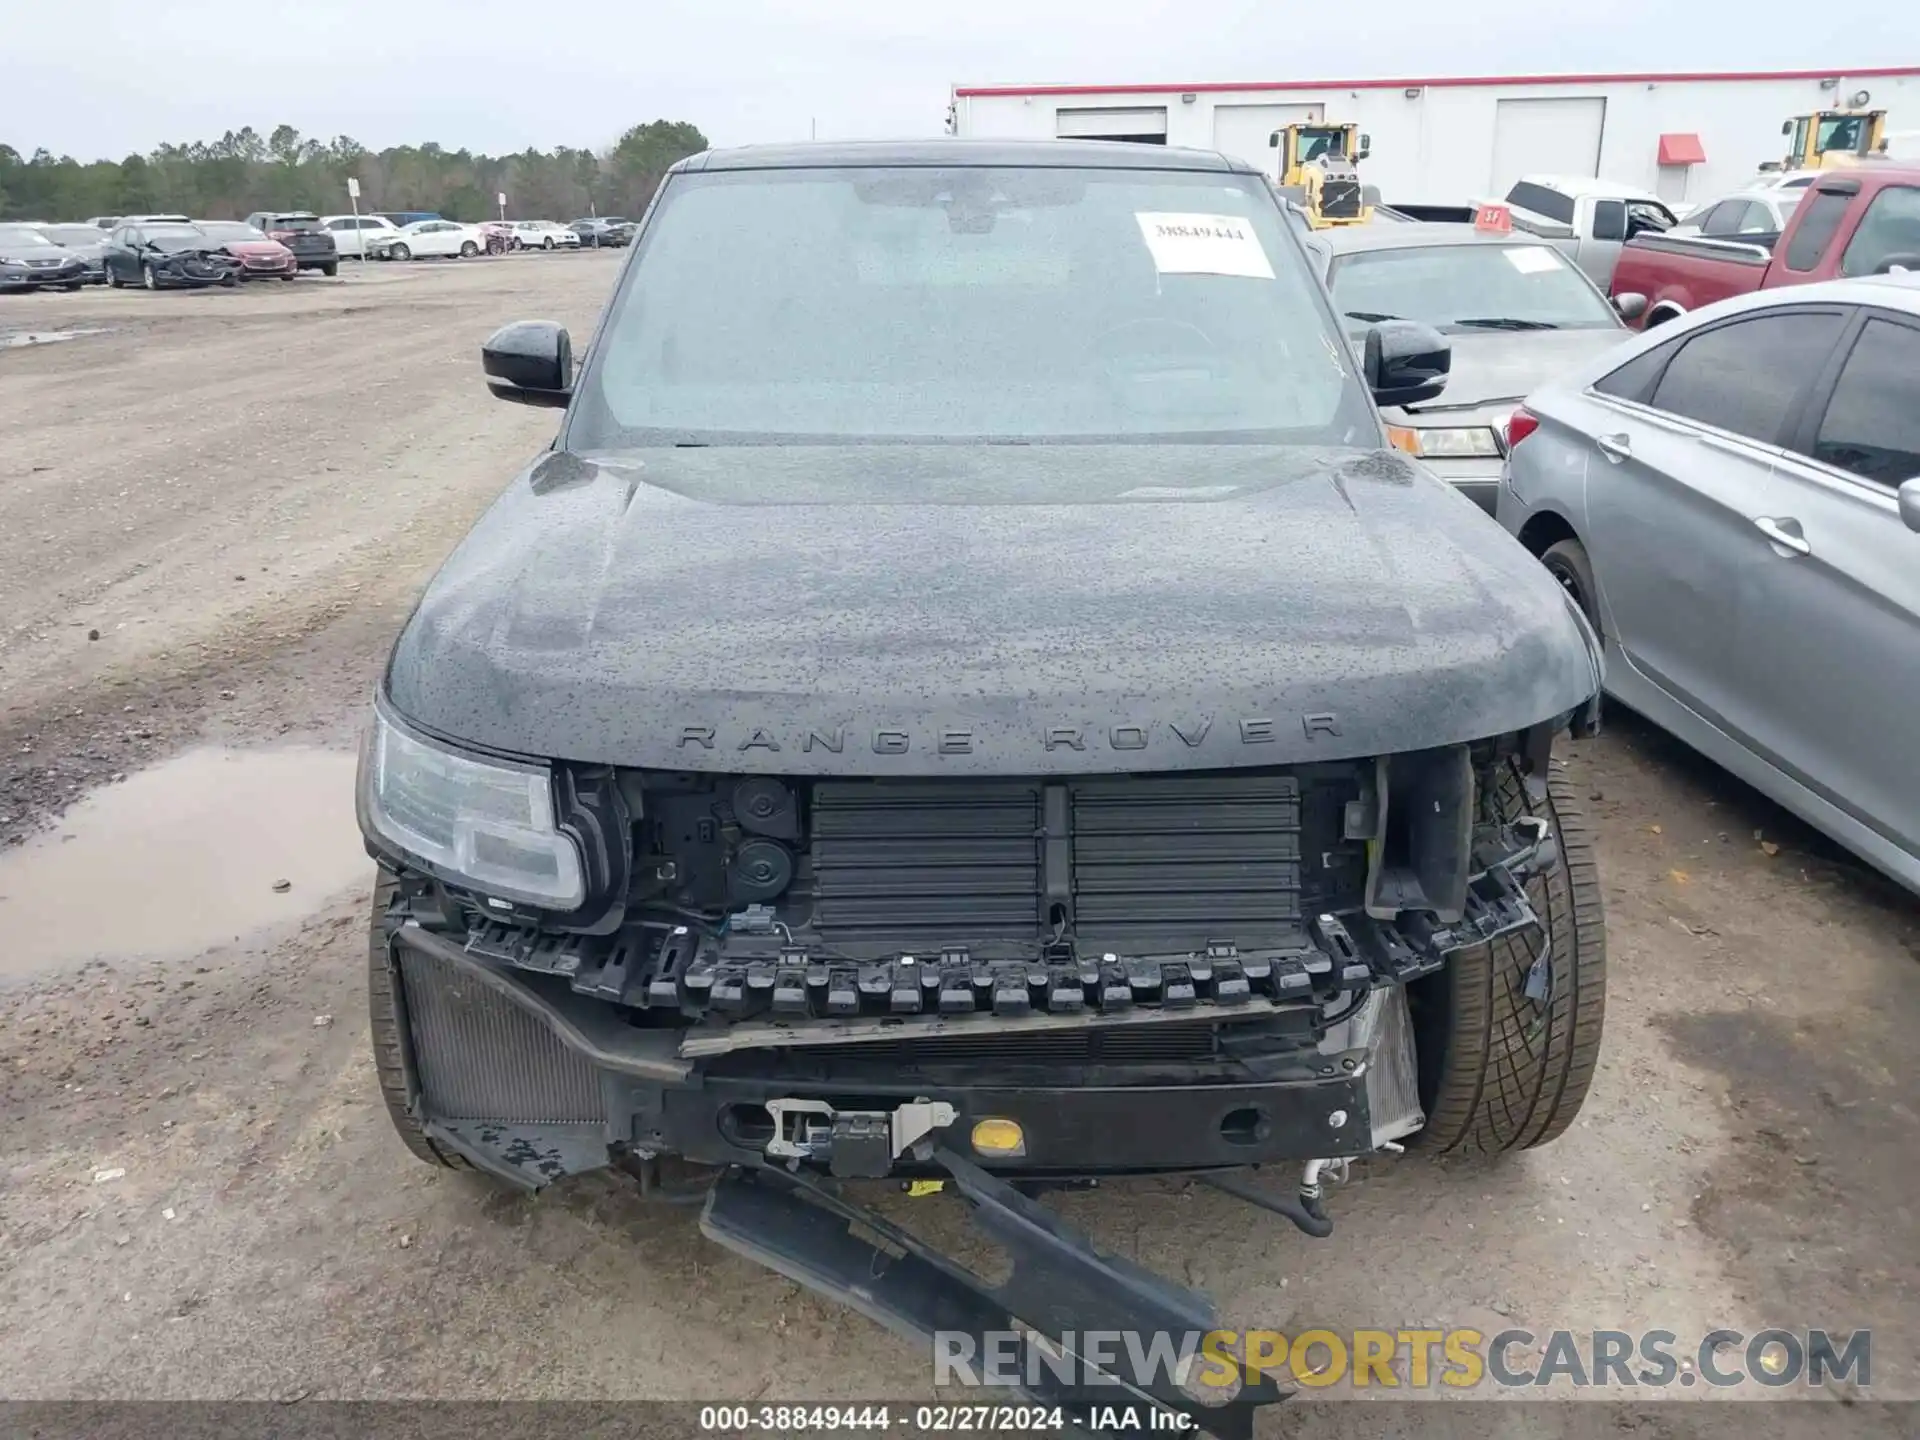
{"points": [[1532, 259], [1203, 244]]}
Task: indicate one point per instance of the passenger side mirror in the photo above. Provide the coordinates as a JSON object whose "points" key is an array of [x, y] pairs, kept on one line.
{"points": [[1630, 306], [1405, 362], [1366, 148], [1910, 504], [529, 362]]}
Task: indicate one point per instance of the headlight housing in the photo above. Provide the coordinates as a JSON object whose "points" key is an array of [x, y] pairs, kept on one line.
{"points": [[486, 824], [1467, 442]]}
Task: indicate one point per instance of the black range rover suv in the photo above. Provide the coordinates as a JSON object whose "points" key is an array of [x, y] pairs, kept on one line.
{"points": [[969, 694]]}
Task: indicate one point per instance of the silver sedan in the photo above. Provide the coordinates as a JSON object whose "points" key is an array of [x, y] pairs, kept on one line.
{"points": [[1516, 311], [1733, 500]]}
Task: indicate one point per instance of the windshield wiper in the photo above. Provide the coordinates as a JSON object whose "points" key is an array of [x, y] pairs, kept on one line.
{"points": [[1372, 315], [1507, 322]]}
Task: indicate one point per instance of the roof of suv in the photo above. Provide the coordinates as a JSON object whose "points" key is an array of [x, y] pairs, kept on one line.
{"points": [[1060, 154]]}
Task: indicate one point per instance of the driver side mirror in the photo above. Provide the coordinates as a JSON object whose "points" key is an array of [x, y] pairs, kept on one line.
{"points": [[530, 362], [1405, 362], [1910, 504], [1630, 306], [1366, 148]]}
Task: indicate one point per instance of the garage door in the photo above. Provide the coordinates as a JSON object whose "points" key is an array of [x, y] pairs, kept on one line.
{"points": [[1148, 126], [1546, 137], [1242, 130]]}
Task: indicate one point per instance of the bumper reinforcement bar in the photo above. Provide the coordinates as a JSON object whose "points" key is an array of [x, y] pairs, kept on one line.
{"points": [[1059, 1285]]}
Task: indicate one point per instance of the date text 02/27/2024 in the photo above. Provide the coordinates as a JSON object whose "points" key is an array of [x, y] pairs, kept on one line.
{"points": [[938, 1419]]}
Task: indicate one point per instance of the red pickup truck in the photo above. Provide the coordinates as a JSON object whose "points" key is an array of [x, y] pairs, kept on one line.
{"points": [[1860, 221]]}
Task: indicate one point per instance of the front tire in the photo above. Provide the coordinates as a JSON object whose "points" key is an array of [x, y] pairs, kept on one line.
{"points": [[331, 269], [389, 1052], [1500, 1071], [547, 244], [148, 278], [468, 250], [1567, 562], [399, 252]]}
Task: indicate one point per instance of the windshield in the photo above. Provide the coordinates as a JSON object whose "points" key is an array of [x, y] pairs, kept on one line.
{"points": [[967, 304], [73, 234], [1842, 132], [21, 235], [1317, 143], [1468, 287], [171, 232], [230, 230]]}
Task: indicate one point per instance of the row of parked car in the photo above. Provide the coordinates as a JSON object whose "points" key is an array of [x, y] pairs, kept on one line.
{"points": [[174, 251], [1731, 498]]}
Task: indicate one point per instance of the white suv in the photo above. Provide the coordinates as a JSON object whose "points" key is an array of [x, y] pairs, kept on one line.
{"points": [[353, 233], [544, 234]]}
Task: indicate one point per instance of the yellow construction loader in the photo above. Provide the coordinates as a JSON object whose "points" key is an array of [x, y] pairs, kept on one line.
{"points": [[1316, 170], [1827, 139]]}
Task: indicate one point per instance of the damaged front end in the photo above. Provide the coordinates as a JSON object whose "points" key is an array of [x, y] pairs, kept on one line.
{"points": [[993, 985]]}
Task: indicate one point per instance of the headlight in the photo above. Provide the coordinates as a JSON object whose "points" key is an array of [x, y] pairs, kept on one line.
{"points": [[488, 824], [1475, 442]]}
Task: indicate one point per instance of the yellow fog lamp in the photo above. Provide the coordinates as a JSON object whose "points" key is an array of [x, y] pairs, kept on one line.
{"points": [[999, 1139]]}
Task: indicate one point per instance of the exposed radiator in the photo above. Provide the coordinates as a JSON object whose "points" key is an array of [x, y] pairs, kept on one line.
{"points": [[1135, 865], [1167, 864], [918, 865], [481, 1057]]}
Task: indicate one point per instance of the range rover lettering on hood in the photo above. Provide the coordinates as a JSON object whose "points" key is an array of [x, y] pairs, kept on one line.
{"points": [[959, 740]]}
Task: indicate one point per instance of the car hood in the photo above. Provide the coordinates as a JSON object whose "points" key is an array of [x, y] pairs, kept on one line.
{"points": [[984, 609], [1508, 365], [36, 252], [180, 245]]}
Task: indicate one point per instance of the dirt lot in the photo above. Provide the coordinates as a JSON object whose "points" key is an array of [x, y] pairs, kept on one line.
{"points": [[238, 495]]}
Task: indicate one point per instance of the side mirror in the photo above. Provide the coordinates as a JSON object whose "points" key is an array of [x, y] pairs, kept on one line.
{"points": [[1910, 504], [1273, 141], [529, 362], [1630, 306], [1366, 148], [1405, 362], [1786, 127]]}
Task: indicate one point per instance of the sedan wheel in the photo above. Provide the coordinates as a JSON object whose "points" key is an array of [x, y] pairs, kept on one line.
{"points": [[399, 252], [148, 278], [1567, 562], [468, 250]]}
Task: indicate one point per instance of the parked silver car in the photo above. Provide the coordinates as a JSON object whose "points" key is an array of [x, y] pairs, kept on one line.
{"points": [[1733, 499], [1516, 311]]}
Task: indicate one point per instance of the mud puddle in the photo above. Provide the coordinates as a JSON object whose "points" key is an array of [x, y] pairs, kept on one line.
{"points": [[183, 857], [19, 339]]}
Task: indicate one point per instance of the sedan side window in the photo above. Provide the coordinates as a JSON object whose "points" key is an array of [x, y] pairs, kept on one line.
{"points": [[1889, 232], [1872, 424], [1635, 379], [1743, 377]]}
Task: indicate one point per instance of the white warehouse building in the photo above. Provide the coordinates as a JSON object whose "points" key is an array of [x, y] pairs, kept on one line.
{"points": [[1448, 141]]}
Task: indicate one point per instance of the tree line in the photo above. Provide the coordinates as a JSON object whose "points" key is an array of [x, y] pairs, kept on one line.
{"points": [[243, 171]]}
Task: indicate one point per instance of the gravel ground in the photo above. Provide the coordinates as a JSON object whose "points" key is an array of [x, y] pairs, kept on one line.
{"points": [[238, 494]]}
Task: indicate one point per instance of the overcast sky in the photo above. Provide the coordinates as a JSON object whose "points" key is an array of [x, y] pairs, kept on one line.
{"points": [[111, 76]]}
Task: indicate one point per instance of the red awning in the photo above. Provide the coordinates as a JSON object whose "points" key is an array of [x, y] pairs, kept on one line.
{"points": [[1681, 149]]}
